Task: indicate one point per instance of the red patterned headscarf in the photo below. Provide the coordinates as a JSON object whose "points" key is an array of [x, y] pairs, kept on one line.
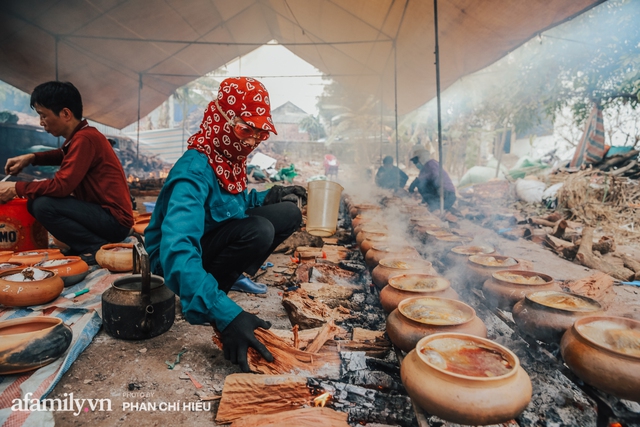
{"points": [[242, 97]]}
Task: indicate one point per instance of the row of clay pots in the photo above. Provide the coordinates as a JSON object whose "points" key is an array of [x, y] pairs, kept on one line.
{"points": [[413, 295]]}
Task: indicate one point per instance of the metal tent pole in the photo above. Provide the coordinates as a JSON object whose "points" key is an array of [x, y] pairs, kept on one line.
{"points": [[138, 134], [437, 53], [395, 95]]}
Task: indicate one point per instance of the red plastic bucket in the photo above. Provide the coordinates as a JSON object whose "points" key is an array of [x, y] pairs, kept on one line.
{"points": [[19, 231]]}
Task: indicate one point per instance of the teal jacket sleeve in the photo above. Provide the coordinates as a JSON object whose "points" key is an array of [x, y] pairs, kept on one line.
{"points": [[180, 252], [256, 198]]}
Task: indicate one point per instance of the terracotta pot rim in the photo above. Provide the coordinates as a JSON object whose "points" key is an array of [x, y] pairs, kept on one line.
{"points": [[73, 259], [537, 304], [384, 261], [9, 271], [635, 324], [394, 248], [38, 251], [393, 279], [515, 362], [525, 273], [116, 245], [457, 239], [436, 233], [55, 321], [503, 257], [492, 249], [452, 302]]}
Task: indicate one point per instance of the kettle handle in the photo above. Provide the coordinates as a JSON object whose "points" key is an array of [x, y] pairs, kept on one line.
{"points": [[141, 266]]}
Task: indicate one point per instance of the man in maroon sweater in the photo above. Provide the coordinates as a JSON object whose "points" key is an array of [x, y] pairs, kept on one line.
{"points": [[87, 203]]}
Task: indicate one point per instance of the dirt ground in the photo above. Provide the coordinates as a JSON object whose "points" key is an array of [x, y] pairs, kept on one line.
{"points": [[134, 374]]}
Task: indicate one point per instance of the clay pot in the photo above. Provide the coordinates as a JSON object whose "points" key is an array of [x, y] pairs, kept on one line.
{"points": [[443, 244], [432, 383], [417, 317], [360, 208], [35, 256], [24, 293], [11, 265], [71, 269], [371, 241], [376, 253], [507, 287], [480, 268], [412, 285], [458, 255], [546, 315], [604, 352], [361, 220], [392, 266], [29, 343], [141, 225], [370, 230], [116, 257], [5, 256], [416, 211]]}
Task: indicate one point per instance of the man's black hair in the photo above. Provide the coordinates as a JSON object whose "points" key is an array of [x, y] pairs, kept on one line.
{"points": [[58, 95]]}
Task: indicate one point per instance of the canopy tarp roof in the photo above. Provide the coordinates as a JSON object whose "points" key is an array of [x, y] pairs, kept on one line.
{"points": [[106, 47]]}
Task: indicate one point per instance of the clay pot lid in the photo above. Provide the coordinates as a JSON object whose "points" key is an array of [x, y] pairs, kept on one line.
{"points": [[374, 228], [10, 265], [367, 207], [393, 248], [26, 275], [455, 238], [419, 283], [424, 220], [440, 232], [564, 301], [404, 264], [473, 250], [493, 260], [465, 356], [436, 311], [522, 277], [28, 325], [618, 335], [52, 263]]}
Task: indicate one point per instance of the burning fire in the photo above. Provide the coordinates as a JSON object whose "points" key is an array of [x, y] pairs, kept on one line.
{"points": [[322, 399]]}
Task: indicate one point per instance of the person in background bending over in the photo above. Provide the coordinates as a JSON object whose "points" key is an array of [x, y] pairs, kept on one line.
{"points": [[207, 229], [87, 203], [428, 181], [389, 176]]}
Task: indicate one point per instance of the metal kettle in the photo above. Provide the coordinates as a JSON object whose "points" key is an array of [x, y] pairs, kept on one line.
{"points": [[140, 305]]}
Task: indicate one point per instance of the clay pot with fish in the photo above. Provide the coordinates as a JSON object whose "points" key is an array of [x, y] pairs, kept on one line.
{"points": [[371, 241], [378, 252], [604, 351], [412, 285], [507, 287], [480, 268], [116, 257], [29, 343], [466, 380], [35, 256], [417, 317], [29, 286], [546, 315], [443, 244], [71, 269], [459, 254], [393, 266], [6, 265], [359, 209], [370, 230]]}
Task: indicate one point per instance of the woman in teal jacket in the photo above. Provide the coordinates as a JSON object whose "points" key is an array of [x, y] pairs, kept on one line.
{"points": [[207, 229]]}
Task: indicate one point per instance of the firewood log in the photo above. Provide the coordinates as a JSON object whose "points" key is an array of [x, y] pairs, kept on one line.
{"points": [[586, 257]]}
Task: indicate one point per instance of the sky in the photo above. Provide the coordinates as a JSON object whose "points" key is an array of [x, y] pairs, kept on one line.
{"points": [[286, 76]]}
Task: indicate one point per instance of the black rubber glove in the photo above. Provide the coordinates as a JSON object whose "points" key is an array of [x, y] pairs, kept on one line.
{"points": [[238, 336], [289, 193]]}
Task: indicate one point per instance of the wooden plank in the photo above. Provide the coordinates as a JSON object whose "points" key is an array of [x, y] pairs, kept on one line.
{"points": [[305, 417], [245, 394]]}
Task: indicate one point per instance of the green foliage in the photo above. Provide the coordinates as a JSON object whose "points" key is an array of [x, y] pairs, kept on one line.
{"points": [[313, 127]]}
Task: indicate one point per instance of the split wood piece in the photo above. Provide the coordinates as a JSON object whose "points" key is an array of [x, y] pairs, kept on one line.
{"points": [[543, 222], [299, 238], [366, 335], [559, 229], [554, 217], [378, 350], [586, 257], [332, 295], [630, 263], [309, 313], [248, 394], [296, 338], [305, 417], [328, 332], [616, 160], [330, 240], [305, 336], [289, 360], [598, 286], [558, 245], [604, 246], [623, 169]]}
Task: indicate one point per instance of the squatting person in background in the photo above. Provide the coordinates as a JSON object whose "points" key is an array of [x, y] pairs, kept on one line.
{"points": [[428, 181]]}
